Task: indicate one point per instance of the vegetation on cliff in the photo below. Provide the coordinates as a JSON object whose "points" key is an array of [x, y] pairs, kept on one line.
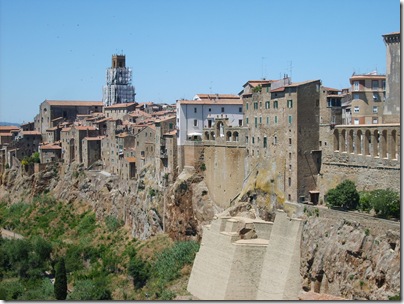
{"points": [[102, 260], [384, 203]]}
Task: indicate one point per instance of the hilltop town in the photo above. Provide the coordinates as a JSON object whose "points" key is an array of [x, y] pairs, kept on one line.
{"points": [[302, 136], [224, 169]]}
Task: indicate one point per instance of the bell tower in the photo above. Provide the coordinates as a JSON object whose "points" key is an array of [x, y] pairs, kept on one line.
{"points": [[119, 88]]}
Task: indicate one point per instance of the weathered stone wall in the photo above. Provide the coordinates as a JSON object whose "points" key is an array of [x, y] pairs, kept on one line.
{"points": [[224, 174]]}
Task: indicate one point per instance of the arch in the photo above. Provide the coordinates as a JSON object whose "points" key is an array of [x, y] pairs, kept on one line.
{"points": [[367, 142], [343, 141], [393, 145], [206, 135], [228, 136], [383, 144], [336, 140], [275, 104], [219, 129], [358, 142], [212, 135], [351, 141], [375, 144], [235, 136]]}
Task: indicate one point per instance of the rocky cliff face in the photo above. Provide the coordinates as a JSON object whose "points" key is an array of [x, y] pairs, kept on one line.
{"points": [[349, 258], [146, 205]]}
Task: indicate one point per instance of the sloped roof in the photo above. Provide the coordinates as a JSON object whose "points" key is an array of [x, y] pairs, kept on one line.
{"points": [[74, 103]]}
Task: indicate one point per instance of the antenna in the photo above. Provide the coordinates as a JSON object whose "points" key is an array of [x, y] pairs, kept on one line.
{"points": [[290, 69], [262, 68], [210, 87]]}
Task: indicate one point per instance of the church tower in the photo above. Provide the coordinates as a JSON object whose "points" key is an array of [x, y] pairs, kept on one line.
{"points": [[119, 88]]}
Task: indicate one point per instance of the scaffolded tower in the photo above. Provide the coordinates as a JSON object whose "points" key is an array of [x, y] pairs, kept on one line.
{"points": [[119, 88]]}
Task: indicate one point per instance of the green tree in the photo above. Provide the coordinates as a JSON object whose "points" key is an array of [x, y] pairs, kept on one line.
{"points": [[385, 202], [344, 196], [60, 287]]}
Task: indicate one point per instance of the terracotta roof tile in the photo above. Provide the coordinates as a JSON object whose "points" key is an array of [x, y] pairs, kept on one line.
{"points": [[120, 105]]}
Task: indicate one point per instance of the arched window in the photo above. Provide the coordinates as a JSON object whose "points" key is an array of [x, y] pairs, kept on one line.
{"points": [[206, 135], [275, 104], [235, 136], [228, 136]]}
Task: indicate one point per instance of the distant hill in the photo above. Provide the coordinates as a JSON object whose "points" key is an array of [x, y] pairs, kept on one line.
{"points": [[2, 123]]}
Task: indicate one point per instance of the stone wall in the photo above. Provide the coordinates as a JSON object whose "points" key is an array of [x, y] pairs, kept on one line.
{"points": [[236, 260], [224, 174]]}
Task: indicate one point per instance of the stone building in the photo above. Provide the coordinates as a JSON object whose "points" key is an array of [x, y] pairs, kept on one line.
{"points": [[195, 115], [166, 147], [72, 142], [50, 111], [283, 135], [368, 96], [119, 110], [91, 150], [50, 153], [391, 112]]}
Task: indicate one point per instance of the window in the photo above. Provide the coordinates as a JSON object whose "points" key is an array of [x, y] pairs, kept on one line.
{"points": [[356, 121], [290, 141], [222, 109], [375, 85], [375, 109], [260, 104], [195, 123], [275, 140], [240, 122], [290, 104], [255, 105], [289, 181], [246, 105], [275, 104], [356, 85], [375, 96], [290, 119], [374, 120], [256, 121], [240, 109], [265, 142], [276, 119], [355, 96], [356, 109], [267, 104], [252, 140], [384, 85], [246, 120], [260, 120], [267, 120], [290, 155], [246, 140], [210, 109]]}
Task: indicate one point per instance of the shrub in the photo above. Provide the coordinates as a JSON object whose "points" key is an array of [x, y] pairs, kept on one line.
{"points": [[344, 196], [172, 260], [139, 271], [203, 167], [112, 223], [364, 201], [385, 202], [90, 290]]}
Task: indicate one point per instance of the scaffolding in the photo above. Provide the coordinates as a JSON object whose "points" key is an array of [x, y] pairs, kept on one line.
{"points": [[119, 88]]}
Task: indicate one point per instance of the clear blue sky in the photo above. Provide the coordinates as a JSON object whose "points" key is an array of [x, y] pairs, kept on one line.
{"points": [[178, 48]]}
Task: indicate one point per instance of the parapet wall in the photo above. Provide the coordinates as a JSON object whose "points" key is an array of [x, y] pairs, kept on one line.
{"points": [[245, 259]]}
